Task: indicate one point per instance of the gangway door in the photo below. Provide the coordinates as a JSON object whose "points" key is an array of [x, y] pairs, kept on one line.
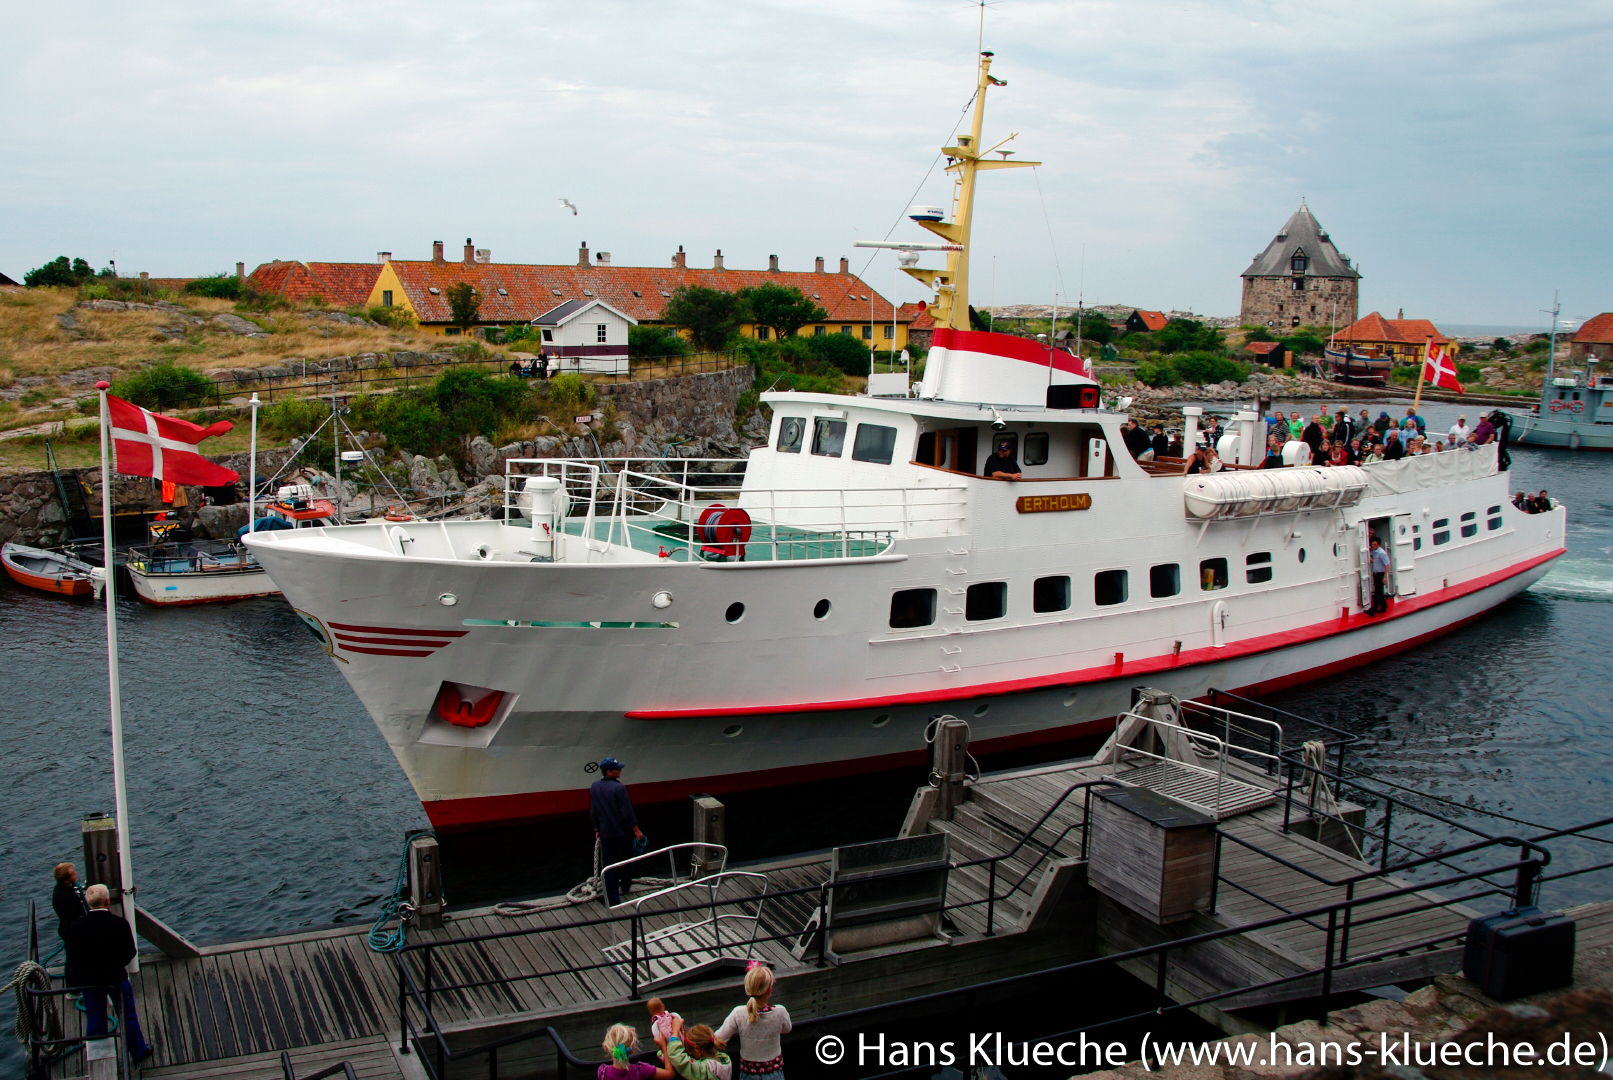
{"points": [[1362, 545], [1403, 553]]}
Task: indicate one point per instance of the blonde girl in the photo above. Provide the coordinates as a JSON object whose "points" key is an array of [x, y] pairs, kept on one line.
{"points": [[760, 1025]]}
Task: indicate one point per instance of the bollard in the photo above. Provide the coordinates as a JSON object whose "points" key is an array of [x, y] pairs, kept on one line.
{"points": [[710, 827], [949, 762], [101, 863], [425, 882]]}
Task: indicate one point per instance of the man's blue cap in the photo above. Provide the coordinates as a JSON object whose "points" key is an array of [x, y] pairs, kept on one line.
{"points": [[608, 764]]}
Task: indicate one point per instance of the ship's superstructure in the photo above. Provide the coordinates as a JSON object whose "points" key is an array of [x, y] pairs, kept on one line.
{"points": [[807, 616]]}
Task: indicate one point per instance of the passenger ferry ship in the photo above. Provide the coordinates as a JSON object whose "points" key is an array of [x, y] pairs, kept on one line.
{"points": [[808, 619]]}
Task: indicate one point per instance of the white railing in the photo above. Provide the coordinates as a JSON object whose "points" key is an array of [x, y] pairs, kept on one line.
{"points": [[1200, 744], [1273, 731]]}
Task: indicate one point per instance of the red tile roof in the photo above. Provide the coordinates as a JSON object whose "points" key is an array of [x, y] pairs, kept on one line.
{"points": [[338, 284], [1262, 348], [1374, 328], [1596, 331], [529, 290], [1154, 320], [917, 316]]}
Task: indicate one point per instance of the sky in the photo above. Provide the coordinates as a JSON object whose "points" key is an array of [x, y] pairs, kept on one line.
{"points": [[1460, 152]]}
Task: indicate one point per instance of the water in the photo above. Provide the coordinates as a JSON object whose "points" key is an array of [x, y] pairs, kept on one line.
{"points": [[264, 800]]}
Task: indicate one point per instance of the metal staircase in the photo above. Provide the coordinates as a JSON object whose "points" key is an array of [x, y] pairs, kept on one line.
{"points": [[70, 490]]}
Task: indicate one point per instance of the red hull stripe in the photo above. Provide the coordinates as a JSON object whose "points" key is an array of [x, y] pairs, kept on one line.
{"points": [[417, 642], [398, 630], [386, 652], [486, 809], [1130, 668], [1006, 346]]}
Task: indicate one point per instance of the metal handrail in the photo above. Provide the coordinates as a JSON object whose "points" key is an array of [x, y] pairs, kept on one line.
{"points": [[671, 853], [343, 1067]]}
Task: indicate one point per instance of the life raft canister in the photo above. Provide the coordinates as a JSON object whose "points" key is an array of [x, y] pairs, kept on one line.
{"points": [[455, 710], [723, 530]]}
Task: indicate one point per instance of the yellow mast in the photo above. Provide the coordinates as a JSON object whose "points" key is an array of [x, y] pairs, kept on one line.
{"points": [[951, 305]]}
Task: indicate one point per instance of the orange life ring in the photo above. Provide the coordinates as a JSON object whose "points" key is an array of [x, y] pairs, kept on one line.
{"points": [[398, 513]]}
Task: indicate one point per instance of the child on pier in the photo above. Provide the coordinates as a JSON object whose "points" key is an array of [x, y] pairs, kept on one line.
{"points": [[759, 1025], [621, 1043]]}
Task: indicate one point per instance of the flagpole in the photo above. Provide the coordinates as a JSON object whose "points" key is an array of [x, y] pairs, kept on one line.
{"points": [[1421, 371], [252, 467], [120, 785]]}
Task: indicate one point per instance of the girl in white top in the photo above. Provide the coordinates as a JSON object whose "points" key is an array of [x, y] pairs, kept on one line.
{"points": [[759, 1025]]}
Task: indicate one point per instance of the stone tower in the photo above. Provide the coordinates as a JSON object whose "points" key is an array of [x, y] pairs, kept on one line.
{"points": [[1301, 279]]}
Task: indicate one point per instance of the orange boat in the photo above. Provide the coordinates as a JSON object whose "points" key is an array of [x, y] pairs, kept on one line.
{"points": [[48, 571]]}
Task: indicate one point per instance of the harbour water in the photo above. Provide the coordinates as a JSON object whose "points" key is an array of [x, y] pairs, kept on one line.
{"points": [[264, 800]]}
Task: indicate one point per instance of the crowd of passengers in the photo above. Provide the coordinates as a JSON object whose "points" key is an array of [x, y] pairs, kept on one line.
{"points": [[1346, 440]]}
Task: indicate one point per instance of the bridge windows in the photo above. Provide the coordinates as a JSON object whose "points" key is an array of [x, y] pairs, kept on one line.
{"points": [[1212, 575], [1257, 568], [912, 608], [1036, 448], [791, 430], [986, 600], [1109, 587], [828, 437], [1050, 594], [1164, 580], [874, 443]]}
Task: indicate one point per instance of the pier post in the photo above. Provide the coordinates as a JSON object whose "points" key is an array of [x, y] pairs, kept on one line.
{"points": [[425, 882], [101, 863], [710, 827], [950, 759]]}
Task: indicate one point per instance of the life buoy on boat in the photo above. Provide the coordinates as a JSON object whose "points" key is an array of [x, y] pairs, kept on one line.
{"points": [[455, 710], [723, 530], [398, 513]]}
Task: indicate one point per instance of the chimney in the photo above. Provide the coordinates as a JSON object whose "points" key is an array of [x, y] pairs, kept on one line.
{"points": [[240, 271], [772, 263], [819, 266], [845, 266], [383, 257], [436, 253], [1401, 314], [716, 263], [680, 260], [602, 258], [470, 252], [582, 254]]}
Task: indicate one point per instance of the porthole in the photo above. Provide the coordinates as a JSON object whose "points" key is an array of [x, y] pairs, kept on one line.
{"points": [[882, 719], [732, 729], [447, 599], [735, 612], [980, 710], [820, 610], [1069, 699], [1301, 554]]}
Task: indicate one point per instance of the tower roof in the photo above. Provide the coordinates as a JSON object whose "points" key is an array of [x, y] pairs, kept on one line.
{"points": [[1301, 233]]}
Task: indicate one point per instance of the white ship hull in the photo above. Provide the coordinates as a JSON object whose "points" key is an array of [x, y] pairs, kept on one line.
{"points": [[693, 702]]}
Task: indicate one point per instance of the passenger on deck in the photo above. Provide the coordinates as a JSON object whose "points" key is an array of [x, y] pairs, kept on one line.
{"points": [[1137, 441], [1322, 454], [1380, 571], [1543, 503], [1296, 427], [1393, 448], [1339, 454], [1204, 461], [1161, 444], [1175, 449], [1382, 424], [1002, 463], [1274, 453], [1484, 432], [1523, 502], [1313, 434]]}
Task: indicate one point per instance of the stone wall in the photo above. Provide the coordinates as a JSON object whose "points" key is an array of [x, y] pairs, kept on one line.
{"points": [[694, 407], [1274, 302]]}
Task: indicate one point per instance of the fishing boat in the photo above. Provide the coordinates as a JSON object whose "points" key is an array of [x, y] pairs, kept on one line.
{"points": [[46, 570], [807, 617], [1349, 366]]}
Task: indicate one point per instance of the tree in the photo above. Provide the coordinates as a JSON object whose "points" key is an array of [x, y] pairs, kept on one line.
{"points": [[1095, 326], [710, 315], [464, 305], [779, 307], [59, 271], [654, 341]]}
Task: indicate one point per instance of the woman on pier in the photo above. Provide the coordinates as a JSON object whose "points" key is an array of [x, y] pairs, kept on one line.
{"points": [[759, 1025]]}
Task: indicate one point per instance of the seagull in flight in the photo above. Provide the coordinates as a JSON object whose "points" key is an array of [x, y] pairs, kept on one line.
{"points": [[569, 205]]}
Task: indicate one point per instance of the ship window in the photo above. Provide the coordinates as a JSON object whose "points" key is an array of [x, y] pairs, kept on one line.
{"points": [[986, 600], [1212, 574], [912, 607], [1470, 527], [874, 443], [1109, 588], [1036, 448], [829, 437], [1442, 531], [1165, 580], [1050, 594], [1494, 515], [791, 430], [1494, 523], [1258, 568]]}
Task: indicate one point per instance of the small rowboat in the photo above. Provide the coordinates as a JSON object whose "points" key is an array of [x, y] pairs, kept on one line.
{"points": [[48, 571]]}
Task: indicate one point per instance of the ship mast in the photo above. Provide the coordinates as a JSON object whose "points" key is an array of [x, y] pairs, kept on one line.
{"points": [[951, 306]]}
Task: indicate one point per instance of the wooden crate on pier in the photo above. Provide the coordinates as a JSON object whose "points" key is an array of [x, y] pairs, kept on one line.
{"points": [[1151, 853]]}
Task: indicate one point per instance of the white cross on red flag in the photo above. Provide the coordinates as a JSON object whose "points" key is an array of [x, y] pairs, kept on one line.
{"points": [[164, 447], [1440, 370]]}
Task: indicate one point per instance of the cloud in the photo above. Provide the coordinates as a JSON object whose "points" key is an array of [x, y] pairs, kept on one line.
{"points": [[1457, 151]]}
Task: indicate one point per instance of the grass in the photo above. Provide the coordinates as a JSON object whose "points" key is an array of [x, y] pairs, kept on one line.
{"points": [[78, 446]]}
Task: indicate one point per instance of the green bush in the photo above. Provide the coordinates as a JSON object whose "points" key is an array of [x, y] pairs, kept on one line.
{"points": [[791, 365], [1156, 373], [218, 286], [1207, 367], [1185, 335], [164, 386], [1303, 344], [396, 318], [845, 352], [571, 391], [1468, 373], [645, 341], [1258, 333], [1537, 345]]}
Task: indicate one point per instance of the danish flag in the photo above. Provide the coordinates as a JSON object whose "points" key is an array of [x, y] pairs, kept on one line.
{"points": [[163, 447], [1439, 370]]}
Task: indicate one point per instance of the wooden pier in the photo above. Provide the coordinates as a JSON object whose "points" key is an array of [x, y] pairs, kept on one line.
{"points": [[1017, 901]]}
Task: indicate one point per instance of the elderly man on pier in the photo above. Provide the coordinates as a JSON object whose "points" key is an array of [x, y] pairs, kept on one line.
{"points": [[99, 948]]}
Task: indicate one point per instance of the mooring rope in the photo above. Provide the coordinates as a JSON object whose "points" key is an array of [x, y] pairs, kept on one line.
{"points": [[395, 906], [586, 892], [30, 976]]}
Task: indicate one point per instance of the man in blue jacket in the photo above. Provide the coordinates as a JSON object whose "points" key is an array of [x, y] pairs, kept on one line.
{"points": [[615, 826]]}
